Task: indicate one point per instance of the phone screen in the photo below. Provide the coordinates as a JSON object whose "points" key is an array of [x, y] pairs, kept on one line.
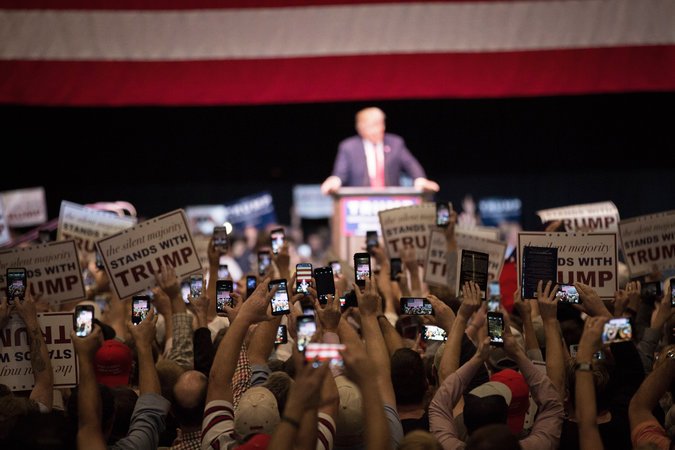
{"points": [[280, 304], [493, 303], [264, 262], [672, 292], [651, 290], [442, 214], [282, 335], [250, 285], [495, 322], [434, 333], [84, 320], [396, 267], [220, 240], [617, 330], [140, 306], [223, 271], [99, 261], [324, 352], [196, 285], [223, 292], [185, 290], [277, 236], [303, 278], [415, 306], [567, 293], [337, 269], [371, 239], [325, 284], [305, 331], [362, 268], [493, 289], [16, 284]]}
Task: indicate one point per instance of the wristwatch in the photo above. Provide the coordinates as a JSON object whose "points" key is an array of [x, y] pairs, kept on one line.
{"points": [[583, 366]]}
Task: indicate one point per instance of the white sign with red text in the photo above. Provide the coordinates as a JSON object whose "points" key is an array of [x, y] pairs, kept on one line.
{"points": [[52, 269], [131, 257], [590, 217], [589, 258], [24, 207], [648, 241], [86, 225], [15, 358], [408, 226]]}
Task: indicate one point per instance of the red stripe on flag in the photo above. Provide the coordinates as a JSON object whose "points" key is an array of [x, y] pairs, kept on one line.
{"points": [[292, 80]]}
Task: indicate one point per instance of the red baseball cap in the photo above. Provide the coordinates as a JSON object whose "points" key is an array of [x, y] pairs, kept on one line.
{"points": [[112, 363], [520, 397], [260, 440]]}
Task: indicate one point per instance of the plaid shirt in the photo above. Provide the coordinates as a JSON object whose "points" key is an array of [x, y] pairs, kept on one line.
{"points": [[241, 380], [188, 441]]}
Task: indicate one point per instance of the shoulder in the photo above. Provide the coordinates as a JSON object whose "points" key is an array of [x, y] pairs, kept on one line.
{"points": [[350, 142], [394, 140]]}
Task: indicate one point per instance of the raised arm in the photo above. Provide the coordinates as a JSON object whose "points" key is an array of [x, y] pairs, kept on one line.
{"points": [[89, 412], [40, 362], [555, 352]]}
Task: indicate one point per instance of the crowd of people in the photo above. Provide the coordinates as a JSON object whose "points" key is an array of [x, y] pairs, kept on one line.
{"points": [[187, 377]]}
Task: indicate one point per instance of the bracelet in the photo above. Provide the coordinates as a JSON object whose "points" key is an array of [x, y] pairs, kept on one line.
{"points": [[583, 366], [293, 422]]}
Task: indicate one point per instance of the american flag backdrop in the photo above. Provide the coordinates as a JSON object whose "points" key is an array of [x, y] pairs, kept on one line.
{"points": [[238, 52]]}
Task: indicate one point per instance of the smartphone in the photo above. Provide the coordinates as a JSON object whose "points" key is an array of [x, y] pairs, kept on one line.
{"points": [[416, 306], [494, 303], [567, 293], [84, 320], [672, 292], [442, 214], [44, 236], [325, 283], [140, 305], [495, 324], [349, 300], [434, 333], [308, 311], [337, 268], [371, 240], [361, 268], [278, 237], [16, 283], [280, 303], [220, 239], [223, 295], [223, 271], [282, 335], [264, 262], [617, 330], [99, 261], [303, 278], [324, 352], [493, 289], [306, 327], [651, 290], [185, 290], [396, 267], [251, 282], [575, 347], [196, 285]]}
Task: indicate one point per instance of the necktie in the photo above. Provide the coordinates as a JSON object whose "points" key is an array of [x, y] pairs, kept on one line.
{"points": [[378, 180]]}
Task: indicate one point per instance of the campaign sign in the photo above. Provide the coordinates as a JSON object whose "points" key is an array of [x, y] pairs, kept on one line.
{"points": [[131, 257], [204, 218], [4, 227], [478, 231], [25, 207], [254, 210], [647, 241], [601, 216], [408, 226], [360, 214], [52, 269], [435, 270], [15, 368], [86, 225], [589, 258], [310, 203]]}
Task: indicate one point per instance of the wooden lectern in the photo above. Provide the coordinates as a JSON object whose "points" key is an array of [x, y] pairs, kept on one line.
{"points": [[355, 211]]}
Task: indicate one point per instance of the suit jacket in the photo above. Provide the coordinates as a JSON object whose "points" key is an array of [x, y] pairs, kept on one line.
{"points": [[351, 166]]}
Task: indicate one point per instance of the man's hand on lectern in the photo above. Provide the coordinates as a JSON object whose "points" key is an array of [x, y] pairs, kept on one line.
{"points": [[426, 185], [331, 185]]}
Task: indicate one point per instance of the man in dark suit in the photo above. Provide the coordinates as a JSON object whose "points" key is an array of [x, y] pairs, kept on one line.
{"points": [[374, 158]]}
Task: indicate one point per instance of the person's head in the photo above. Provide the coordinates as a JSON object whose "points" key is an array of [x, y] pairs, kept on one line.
{"points": [[256, 413], [189, 399], [520, 397], [349, 423], [168, 372], [600, 381], [419, 440], [113, 363], [493, 437], [42, 431], [370, 124], [125, 401], [279, 383], [408, 377], [486, 405], [13, 409], [107, 408]]}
